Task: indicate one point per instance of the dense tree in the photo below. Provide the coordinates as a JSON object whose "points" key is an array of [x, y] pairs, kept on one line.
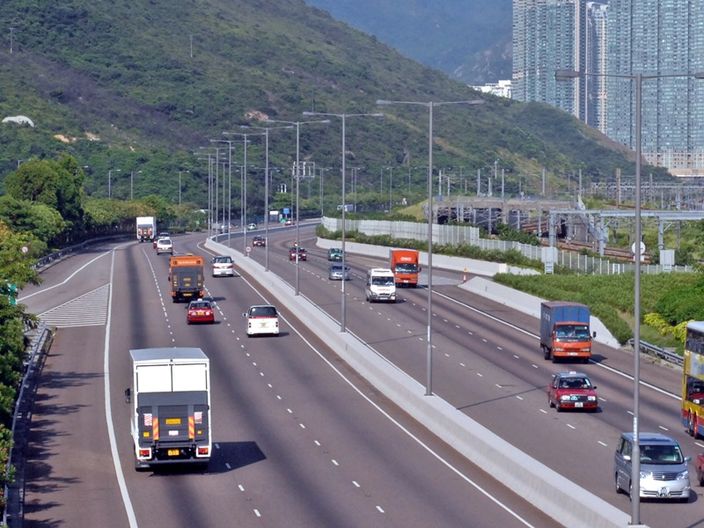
{"points": [[58, 184], [38, 219]]}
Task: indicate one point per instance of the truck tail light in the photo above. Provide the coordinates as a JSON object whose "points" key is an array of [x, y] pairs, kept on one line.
{"points": [[145, 453], [203, 451]]}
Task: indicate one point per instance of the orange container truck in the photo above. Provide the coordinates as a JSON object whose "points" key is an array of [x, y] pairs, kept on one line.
{"points": [[186, 277], [564, 331], [405, 263]]}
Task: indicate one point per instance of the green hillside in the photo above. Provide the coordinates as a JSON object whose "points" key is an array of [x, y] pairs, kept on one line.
{"points": [[139, 85]]}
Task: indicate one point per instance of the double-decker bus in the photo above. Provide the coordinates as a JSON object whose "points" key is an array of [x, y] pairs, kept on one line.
{"points": [[693, 380]]}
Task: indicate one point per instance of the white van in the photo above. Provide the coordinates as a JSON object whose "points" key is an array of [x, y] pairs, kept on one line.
{"points": [[380, 285]]}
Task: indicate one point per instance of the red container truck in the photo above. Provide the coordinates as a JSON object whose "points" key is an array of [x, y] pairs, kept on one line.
{"points": [[405, 264]]}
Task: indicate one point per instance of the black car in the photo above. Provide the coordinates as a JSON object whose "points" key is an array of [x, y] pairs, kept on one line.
{"points": [[258, 241]]}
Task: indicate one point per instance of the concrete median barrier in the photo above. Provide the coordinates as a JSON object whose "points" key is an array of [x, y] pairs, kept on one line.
{"points": [[547, 490]]}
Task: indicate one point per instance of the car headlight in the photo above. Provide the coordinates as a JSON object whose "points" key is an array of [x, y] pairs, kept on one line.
{"points": [[645, 474], [684, 475], [565, 397], [591, 398], [586, 349]]}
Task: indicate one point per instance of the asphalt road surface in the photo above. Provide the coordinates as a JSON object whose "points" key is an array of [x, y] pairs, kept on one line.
{"points": [[300, 440]]}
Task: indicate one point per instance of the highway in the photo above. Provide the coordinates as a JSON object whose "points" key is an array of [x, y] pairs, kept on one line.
{"points": [[300, 440], [487, 363]]}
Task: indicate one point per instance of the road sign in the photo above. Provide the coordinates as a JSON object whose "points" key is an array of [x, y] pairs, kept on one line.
{"points": [[642, 248], [248, 249]]}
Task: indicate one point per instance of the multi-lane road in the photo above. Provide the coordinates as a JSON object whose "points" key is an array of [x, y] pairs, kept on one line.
{"points": [[300, 440]]}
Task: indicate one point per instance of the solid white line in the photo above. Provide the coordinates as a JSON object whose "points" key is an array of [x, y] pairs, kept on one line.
{"points": [[531, 334], [602, 443], [422, 444], [129, 510], [69, 277]]}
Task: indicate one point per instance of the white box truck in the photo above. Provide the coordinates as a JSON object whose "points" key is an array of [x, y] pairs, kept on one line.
{"points": [[170, 406], [146, 228]]}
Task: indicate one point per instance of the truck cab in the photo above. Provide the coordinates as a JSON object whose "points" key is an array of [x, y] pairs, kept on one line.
{"points": [[405, 265]]}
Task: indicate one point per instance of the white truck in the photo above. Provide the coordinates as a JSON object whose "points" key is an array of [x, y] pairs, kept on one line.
{"points": [[170, 406], [380, 285], [146, 228]]}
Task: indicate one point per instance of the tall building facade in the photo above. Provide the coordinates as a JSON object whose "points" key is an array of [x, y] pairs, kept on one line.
{"points": [[596, 94], [549, 35], [658, 38]]}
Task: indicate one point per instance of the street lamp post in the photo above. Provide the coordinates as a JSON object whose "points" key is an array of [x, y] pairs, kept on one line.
{"points": [[243, 213], [430, 105], [343, 117], [109, 181], [297, 126], [266, 187], [132, 173], [229, 187], [637, 79]]}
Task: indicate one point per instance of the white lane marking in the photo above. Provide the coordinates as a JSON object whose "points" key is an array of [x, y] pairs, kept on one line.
{"points": [[129, 510], [499, 348], [227, 465], [480, 374], [700, 444], [256, 512], [519, 397], [543, 411], [516, 357], [602, 443], [536, 336], [20, 299], [241, 487], [571, 426], [534, 365], [663, 428], [302, 426], [423, 445], [316, 443], [356, 484], [462, 364], [380, 509], [334, 462]]}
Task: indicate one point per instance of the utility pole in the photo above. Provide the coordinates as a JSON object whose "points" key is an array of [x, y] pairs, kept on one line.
{"points": [[12, 34]]}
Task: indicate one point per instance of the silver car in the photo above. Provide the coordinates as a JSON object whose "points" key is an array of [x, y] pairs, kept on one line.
{"points": [[335, 272], [663, 468]]}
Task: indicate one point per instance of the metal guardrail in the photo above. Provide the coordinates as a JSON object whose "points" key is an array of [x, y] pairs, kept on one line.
{"points": [[661, 353], [13, 493], [58, 255]]}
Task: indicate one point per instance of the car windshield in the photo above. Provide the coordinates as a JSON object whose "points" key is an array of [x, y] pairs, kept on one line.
{"points": [[575, 383], [223, 260], [661, 454], [165, 241], [199, 305], [383, 281], [572, 332], [406, 268], [262, 311]]}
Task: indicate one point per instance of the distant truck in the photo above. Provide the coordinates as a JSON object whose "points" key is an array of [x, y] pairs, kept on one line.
{"points": [[405, 264], [146, 228], [186, 277], [564, 331], [170, 406]]}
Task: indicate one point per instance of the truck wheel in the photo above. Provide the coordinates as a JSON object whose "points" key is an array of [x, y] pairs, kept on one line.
{"points": [[618, 488], [546, 352]]}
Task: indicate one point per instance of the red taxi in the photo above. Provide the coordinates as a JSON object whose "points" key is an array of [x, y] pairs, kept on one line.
{"points": [[200, 311], [572, 390]]}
